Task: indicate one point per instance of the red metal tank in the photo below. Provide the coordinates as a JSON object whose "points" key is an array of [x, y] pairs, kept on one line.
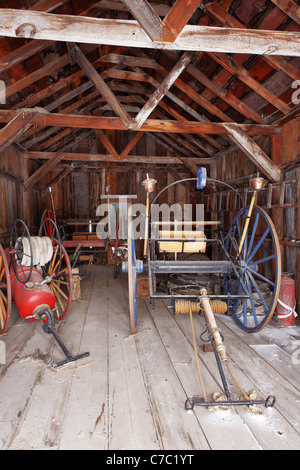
{"points": [[29, 296], [286, 301]]}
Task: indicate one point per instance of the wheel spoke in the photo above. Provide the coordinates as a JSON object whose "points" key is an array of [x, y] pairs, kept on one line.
{"points": [[253, 233], [263, 278], [264, 260], [260, 260], [252, 304], [258, 245], [250, 277]]}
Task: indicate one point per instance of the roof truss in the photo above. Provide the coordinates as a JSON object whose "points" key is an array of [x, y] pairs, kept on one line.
{"points": [[184, 74]]}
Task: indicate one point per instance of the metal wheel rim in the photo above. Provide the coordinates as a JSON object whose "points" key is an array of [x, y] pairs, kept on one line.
{"points": [[5, 292], [250, 267], [61, 284]]}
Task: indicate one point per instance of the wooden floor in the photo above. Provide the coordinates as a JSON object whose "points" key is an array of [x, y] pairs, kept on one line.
{"points": [[130, 392]]}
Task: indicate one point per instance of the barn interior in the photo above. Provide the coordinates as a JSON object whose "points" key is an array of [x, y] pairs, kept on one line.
{"points": [[107, 104]]}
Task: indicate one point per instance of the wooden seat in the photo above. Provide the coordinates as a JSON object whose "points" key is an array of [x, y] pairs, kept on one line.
{"points": [[187, 241]]}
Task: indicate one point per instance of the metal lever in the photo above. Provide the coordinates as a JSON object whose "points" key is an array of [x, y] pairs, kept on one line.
{"points": [[48, 326]]}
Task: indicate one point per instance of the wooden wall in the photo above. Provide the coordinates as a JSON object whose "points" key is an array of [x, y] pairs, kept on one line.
{"points": [[14, 203]]}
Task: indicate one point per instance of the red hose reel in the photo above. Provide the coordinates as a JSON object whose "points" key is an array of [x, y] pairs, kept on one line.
{"points": [[35, 273]]}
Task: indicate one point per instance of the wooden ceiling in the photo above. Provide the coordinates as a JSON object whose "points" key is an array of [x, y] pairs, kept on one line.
{"points": [[198, 77]]}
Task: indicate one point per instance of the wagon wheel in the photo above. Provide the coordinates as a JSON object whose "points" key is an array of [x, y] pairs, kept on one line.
{"points": [[257, 270], [49, 229], [5, 293], [132, 267], [131, 276], [61, 285], [21, 251], [46, 219]]}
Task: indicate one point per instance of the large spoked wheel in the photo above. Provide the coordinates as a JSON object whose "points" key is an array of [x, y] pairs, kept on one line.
{"points": [[61, 285], [21, 251], [257, 270], [49, 229], [131, 277], [5, 293], [46, 221], [132, 267]]}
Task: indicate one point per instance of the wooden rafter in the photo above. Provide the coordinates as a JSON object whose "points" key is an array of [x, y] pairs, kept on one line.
{"points": [[165, 31], [67, 28], [177, 18], [228, 20], [290, 8], [232, 66], [160, 92], [61, 175], [254, 152], [43, 170], [100, 84], [15, 128]]}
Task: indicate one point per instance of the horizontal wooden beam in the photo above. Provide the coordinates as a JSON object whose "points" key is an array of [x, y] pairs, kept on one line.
{"points": [[68, 28], [87, 157], [150, 125]]}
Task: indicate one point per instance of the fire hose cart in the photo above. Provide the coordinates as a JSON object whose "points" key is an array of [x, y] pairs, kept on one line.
{"points": [[35, 274], [249, 270]]}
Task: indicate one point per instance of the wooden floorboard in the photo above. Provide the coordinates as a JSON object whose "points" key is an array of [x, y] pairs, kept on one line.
{"points": [[129, 394]]}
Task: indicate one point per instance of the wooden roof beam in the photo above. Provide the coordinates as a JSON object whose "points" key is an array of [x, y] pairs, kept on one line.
{"points": [[43, 170], [290, 8], [62, 174], [254, 152], [160, 92], [100, 85], [228, 20], [15, 128], [151, 125], [165, 31], [233, 67], [88, 157], [68, 28]]}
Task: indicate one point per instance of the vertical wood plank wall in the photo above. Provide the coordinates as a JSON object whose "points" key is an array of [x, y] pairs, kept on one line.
{"points": [[14, 203]]}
